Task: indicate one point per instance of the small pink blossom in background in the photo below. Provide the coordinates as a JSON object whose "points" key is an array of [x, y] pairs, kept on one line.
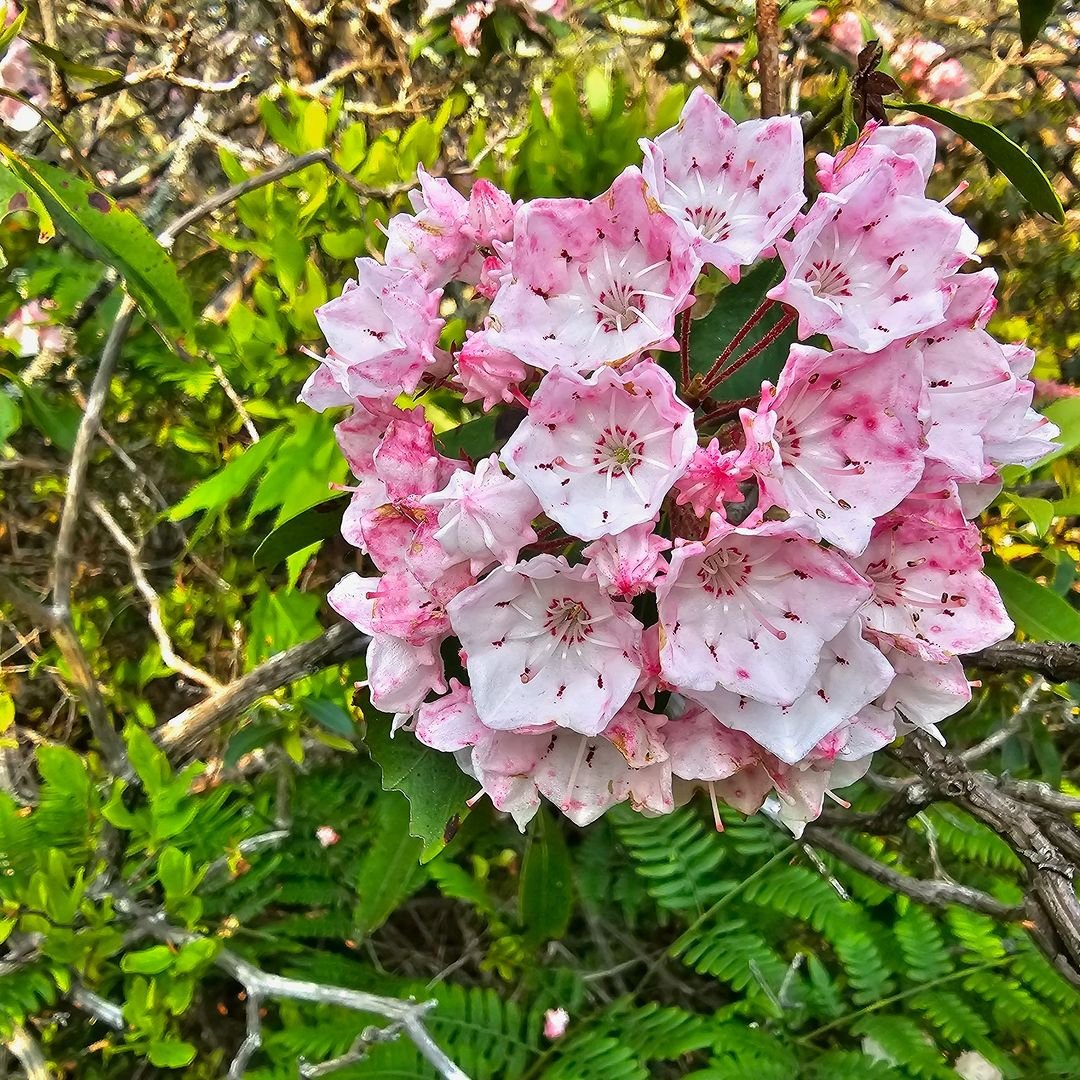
{"points": [[633, 595], [18, 73], [555, 1023], [327, 836], [33, 331]]}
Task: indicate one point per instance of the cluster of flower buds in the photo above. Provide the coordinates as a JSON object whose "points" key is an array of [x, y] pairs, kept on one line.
{"points": [[643, 590]]}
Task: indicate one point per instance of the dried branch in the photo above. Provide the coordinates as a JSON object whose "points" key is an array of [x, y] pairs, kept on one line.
{"points": [[934, 893], [1056, 661], [260, 985], [26, 1050], [108, 1012], [185, 733], [153, 602], [1047, 851]]}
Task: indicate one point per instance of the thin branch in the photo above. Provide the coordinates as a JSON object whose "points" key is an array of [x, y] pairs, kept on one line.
{"points": [[108, 1012], [933, 893], [186, 732], [1007, 730], [153, 603], [252, 1040]]}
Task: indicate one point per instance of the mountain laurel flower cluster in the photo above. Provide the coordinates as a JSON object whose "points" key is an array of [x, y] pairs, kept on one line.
{"points": [[591, 575]]}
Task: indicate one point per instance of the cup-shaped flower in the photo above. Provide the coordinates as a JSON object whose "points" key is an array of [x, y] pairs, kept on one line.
{"points": [[929, 590], [595, 282], [545, 646], [848, 437], [749, 611], [735, 188], [712, 478], [869, 265], [382, 331], [602, 452]]}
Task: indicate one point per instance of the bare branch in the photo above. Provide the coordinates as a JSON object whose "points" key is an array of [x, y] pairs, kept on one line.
{"points": [[25, 1048], [935, 893], [259, 984], [1055, 660], [108, 1012], [184, 734], [153, 602]]}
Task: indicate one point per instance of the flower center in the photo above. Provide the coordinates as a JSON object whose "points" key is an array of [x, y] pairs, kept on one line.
{"points": [[828, 278], [618, 450], [568, 620], [723, 572], [710, 221]]}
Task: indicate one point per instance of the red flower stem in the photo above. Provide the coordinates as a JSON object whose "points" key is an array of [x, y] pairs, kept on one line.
{"points": [[755, 317], [728, 410], [754, 350], [684, 351]]}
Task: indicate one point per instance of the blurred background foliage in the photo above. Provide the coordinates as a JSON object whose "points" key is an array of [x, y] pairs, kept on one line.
{"points": [[675, 951]]}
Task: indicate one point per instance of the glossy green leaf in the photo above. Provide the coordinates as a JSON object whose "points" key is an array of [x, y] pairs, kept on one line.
{"points": [[1033, 16], [331, 715], [545, 897], [999, 149], [475, 439], [101, 229], [10, 417], [172, 1054], [150, 961], [1040, 512], [432, 782], [1037, 610], [734, 305], [309, 527]]}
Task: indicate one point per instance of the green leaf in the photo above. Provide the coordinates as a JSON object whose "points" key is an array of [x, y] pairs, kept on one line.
{"points": [[10, 32], [1033, 16], [96, 225], [390, 870], [249, 737], [1038, 611], [310, 526], [544, 897], [797, 11], [229, 482], [475, 438], [432, 782], [58, 421], [172, 1054], [1065, 412], [10, 417], [734, 305], [85, 72], [1040, 512], [998, 148], [330, 714], [150, 961]]}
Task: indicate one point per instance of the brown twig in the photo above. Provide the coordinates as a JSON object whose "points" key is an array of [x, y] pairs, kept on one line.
{"points": [[768, 58], [185, 733], [1057, 661]]}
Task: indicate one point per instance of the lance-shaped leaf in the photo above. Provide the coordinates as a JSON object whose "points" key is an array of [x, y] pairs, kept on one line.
{"points": [[1001, 151], [101, 229], [1033, 16]]}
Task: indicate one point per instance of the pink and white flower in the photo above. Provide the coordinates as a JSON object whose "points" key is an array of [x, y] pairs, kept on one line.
{"points": [[382, 332], [602, 452], [545, 646], [870, 265], [485, 516], [838, 442], [628, 564], [735, 188], [749, 611], [595, 282]]}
